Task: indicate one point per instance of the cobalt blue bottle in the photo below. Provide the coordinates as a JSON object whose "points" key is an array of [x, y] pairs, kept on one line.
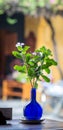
{"points": [[33, 111]]}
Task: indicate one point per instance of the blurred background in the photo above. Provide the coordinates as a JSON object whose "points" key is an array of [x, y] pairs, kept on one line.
{"points": [[36, 23]]}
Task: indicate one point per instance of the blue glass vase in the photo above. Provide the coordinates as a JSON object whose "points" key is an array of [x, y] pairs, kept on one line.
{"points": [[33, 111]]}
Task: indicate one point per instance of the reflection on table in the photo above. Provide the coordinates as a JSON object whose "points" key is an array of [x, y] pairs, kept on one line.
{"points": [[45, 125]]}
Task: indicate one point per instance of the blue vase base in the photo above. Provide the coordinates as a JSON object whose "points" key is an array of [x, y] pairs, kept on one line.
{"points": [[33, 112], [25, 121]]}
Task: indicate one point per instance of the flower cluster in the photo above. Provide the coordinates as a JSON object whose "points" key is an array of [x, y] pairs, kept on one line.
{"points": [[34, 64]]}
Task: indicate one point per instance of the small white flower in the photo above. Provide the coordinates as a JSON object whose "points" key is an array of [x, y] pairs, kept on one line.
{"points": [[18, 44], [34, 53], [22, 44], [40, 53]]}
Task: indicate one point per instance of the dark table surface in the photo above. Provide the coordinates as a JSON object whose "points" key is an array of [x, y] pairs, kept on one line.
{"points": [[47, 124]]}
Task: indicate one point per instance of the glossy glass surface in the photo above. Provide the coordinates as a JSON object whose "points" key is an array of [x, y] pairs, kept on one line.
{"points": [[33, 111]]}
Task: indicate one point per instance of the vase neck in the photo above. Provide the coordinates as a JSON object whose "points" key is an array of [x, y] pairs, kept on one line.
{"points": [[33, 94]]}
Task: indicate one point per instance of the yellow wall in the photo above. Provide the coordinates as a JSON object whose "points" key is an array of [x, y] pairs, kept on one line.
{"points": [[43, 35], [31, 24]]}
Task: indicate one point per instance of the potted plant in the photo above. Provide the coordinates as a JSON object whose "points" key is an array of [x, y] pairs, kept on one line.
{"points": [[34, 65]]}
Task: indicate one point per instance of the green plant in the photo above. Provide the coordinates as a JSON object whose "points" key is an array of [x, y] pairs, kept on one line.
{"points": [[34, 64]]}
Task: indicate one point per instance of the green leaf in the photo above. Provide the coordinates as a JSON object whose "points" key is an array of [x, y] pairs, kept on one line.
{"points": [[49, 52], [20, 48], [1, 11], [46, 52], [11, 21], [47, 70], [37, 58], [17, 54], [53, 62], [20, 68], [28, 57], [44, 66], [26, 48], [45, 78], [31, 63], [31, 72]]}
